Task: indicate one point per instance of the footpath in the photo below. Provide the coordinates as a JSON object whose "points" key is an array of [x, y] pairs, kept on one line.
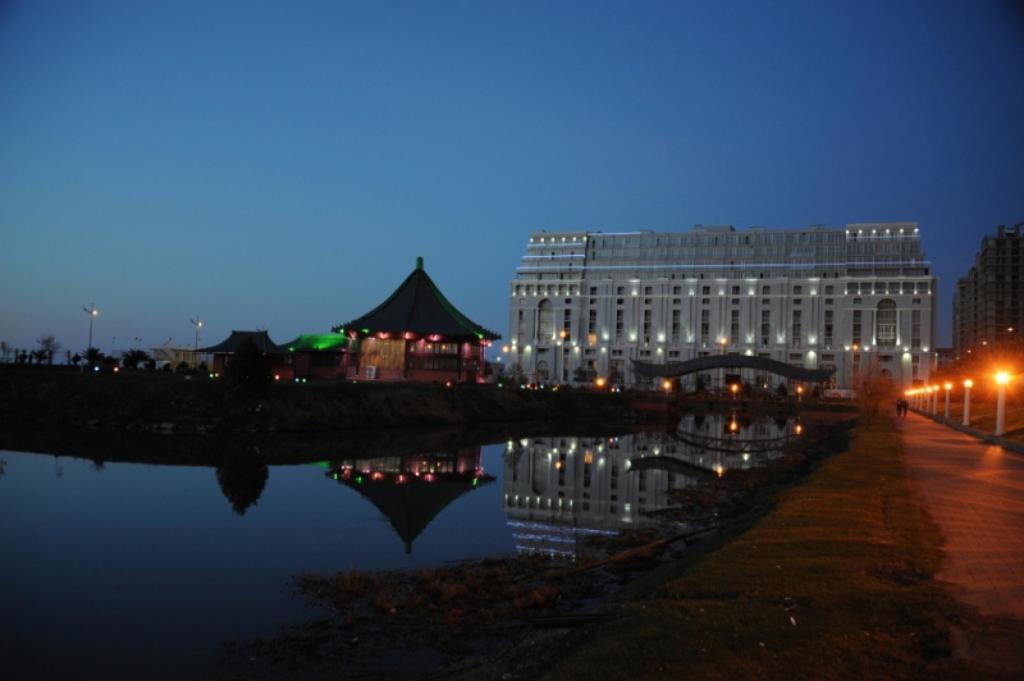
{"points": [[974, 492]]}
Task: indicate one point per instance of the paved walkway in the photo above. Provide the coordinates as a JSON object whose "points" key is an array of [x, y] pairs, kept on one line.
{"points": [[975, 492]]}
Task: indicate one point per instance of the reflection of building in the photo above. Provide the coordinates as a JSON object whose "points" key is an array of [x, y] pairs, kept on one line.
{"points": [[410, 491], [557, 490], [988, 306], [417, 335], [585, 303]]}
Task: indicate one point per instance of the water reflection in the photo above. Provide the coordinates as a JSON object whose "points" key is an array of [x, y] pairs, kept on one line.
{"points": [[242, 481], [411, 490], [557, 490]]}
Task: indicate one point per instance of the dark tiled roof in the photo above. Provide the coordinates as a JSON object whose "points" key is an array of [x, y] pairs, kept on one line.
{"points": [[260, 338], [419, 307]]}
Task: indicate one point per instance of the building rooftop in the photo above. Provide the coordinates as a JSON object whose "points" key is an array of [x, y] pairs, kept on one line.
{"points": [[417, 307]]}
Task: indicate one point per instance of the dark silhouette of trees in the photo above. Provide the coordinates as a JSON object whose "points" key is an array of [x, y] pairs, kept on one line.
{"points": [[48, 346], [131, 359], [93, 356]]}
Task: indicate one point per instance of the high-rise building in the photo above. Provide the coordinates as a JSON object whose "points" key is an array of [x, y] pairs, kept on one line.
{"points": [[988, 306], [859, 299]]}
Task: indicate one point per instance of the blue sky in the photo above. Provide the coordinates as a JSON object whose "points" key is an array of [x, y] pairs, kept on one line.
{"points": [[281, 165]]}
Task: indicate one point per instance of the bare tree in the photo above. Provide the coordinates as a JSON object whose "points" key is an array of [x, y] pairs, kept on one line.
{"points": [[48, 346]]}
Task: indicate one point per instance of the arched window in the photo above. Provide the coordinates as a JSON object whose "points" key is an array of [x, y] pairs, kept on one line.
{"points": [[885, 324], [545, 320]]}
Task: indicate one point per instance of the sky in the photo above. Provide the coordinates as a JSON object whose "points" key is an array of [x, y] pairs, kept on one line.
{"points": [[281, 165]]}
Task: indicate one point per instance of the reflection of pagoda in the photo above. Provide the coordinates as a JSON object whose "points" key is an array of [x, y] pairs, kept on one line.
{"points": [[411, 490]]}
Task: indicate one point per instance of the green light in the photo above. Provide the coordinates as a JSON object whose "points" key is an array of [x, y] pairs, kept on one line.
{"points": [[322, 464], [366, 331], [359, 479], [475, 481]]}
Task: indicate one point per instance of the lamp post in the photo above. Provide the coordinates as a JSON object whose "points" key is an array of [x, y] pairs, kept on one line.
{"points": [[948, 386], [968, 384], [92, 312], [1002, 378], [198, 323]]}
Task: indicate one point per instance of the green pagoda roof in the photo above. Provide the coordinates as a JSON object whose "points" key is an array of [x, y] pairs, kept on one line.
{"points": [[261, 339], [417, 307], [317, 342]]}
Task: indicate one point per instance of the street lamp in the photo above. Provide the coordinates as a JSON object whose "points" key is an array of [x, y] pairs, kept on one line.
{"points": [[968, 384], [948, 386], [1002, 378], [734, 389], [92, 312], [198, 323]]}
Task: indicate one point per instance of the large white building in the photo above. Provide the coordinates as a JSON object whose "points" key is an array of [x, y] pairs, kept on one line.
{"points": [[859, 299]]}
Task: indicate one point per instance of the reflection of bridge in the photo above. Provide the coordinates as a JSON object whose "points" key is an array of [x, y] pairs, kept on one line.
{"points": [[762, 364], [410, 491]]}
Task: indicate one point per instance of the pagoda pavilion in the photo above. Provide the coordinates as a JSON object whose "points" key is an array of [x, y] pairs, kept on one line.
{"points": [[416, 335], [223, 351]]}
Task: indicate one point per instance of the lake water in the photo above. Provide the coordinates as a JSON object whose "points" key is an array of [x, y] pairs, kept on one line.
{"points": [[137, 570]]}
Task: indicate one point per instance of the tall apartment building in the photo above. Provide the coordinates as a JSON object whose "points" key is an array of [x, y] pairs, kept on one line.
{"points": [[988, 306], [856, 299]]}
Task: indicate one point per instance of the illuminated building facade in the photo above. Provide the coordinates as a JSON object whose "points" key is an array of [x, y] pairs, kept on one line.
{"points": [[858, 299], [988, 306], [417, 335]]}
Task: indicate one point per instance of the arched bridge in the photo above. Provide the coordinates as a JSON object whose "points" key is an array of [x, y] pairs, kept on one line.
{"points": [[763, 364]]}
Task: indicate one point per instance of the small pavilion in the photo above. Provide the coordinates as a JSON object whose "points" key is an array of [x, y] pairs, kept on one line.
{"points": [[319, 355], [416, 335], [222, 351]]}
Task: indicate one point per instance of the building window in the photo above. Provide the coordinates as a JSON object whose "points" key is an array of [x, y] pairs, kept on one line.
{"points": [[735, 290], [766, 290], [797, 314], [856, 327], [885, 324], [647, 326], [705, 290], [915, 328], [797, 290], [765, 326], [828, 328], [618, 325], [675, 326], [734, 327], [705, 325]]}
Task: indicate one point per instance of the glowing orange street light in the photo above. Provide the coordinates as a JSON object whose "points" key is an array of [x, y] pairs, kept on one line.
{"points": [[666, 385], [600, 382], [734, 389], [1002, 378], [968, 384], [948, 386], [798, 429]]}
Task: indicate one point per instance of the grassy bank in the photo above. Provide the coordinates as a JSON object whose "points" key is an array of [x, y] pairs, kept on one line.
{"points": [[147, 401], [835, 582]]}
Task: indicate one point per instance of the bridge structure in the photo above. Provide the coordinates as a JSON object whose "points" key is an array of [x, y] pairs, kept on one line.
{"points": [[651, 370]]}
